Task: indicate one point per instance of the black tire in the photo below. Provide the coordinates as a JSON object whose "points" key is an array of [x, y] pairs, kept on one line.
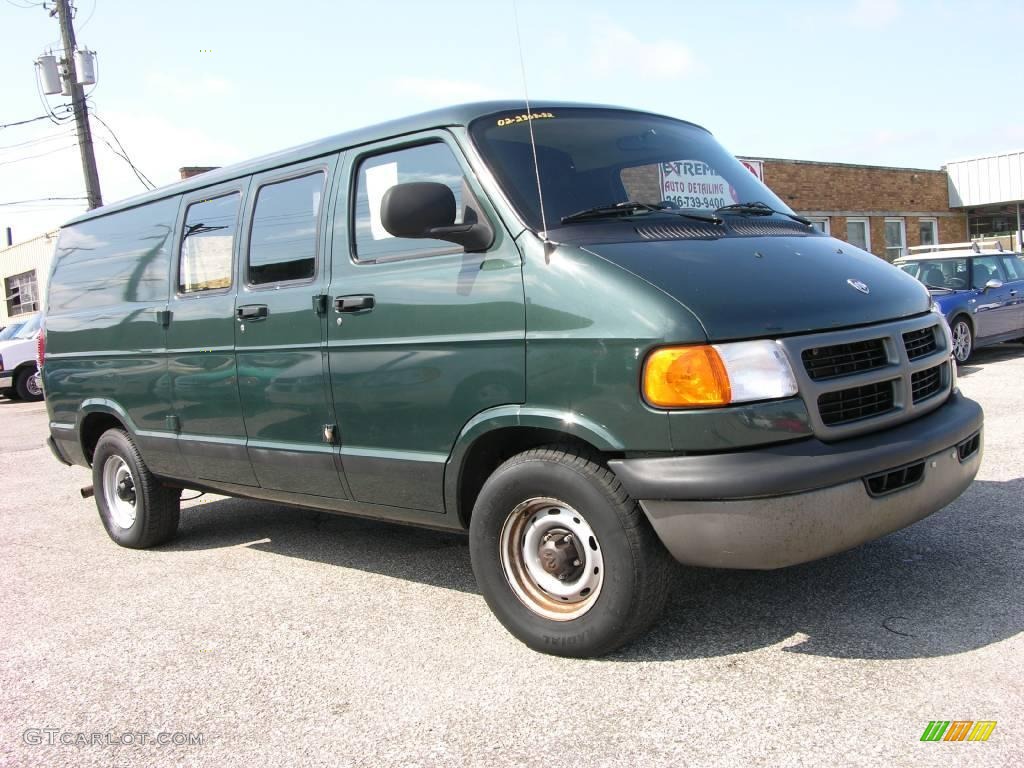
{"points": [[156, 508], [962, 330], [26, 386], [637, 568]]}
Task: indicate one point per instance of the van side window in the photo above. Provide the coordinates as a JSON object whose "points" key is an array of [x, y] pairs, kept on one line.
{"points": [[427, 162], [207, 244], [284, 235]]}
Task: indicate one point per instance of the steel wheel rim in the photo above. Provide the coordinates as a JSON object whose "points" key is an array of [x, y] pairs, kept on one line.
{"points": [[961, 341], [33, 385], [534, 551], [119, 491]]}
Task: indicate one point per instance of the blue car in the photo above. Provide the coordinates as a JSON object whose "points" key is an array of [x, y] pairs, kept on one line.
{"points": [[980, 291]]}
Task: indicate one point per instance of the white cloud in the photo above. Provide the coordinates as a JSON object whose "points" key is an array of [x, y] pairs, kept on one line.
{"points": [[439, 92], [186, 86], [874, 13], [615, 49]]}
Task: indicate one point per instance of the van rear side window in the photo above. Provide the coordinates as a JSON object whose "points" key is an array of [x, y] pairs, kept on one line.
{"points": [[282, 244], [207, 244]]}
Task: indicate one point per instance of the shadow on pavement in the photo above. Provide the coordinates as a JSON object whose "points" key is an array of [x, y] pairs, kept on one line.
{"points": [[994, 354], [952, 583]]}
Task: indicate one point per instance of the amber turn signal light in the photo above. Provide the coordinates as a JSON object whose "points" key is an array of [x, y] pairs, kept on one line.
{"points": [[686, 377]]}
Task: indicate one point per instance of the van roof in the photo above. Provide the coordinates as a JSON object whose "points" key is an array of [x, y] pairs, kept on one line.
{"points": [[459, 115]]}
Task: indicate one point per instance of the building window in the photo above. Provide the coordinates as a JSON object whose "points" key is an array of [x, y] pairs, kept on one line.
{"points": [[858, 233], [20, 291], [207, 244], [929, 229], [895, 238], [820, 223], [283, 241]]}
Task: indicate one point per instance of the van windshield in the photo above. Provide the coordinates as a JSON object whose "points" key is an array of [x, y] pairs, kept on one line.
{"points": [[589, 158]]}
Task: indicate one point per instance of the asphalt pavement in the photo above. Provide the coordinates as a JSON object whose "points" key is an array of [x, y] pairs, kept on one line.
{"points": [[265, 635]]}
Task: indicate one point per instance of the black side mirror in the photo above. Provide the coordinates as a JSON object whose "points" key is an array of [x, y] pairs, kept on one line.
{"points": [[426, 209]]}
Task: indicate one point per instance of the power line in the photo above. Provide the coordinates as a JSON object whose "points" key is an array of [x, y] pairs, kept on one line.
{"points": [[40, 140], [41, 154], [123, 154], [42, 200], [25, 122]]}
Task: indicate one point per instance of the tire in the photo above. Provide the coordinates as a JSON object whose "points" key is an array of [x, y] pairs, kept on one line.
{"points": [[27, 385], [516, 544], [963, 339], [137, 511]]}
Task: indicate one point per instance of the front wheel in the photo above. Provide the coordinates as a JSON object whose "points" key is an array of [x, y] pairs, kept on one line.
{"points": [[963, 340], [564, 558], [137, 511]]}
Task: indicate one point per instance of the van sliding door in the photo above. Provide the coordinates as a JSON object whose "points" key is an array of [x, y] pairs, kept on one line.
{"points": [[279, 317]]}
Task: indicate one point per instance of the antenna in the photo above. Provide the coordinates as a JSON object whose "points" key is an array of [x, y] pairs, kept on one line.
{"points": [[529, 123]]}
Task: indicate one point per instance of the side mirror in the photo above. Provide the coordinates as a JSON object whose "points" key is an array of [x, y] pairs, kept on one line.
{"points": [[426, 209], [993, 284]]}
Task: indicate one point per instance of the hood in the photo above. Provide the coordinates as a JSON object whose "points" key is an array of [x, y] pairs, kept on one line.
{"points": [[749, 287]]}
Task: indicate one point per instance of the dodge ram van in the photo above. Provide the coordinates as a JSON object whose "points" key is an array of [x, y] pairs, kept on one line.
{"points": [[587, 335]]}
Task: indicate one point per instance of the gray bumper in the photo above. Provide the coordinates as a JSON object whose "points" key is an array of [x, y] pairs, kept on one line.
{"points": [[814, 498]]}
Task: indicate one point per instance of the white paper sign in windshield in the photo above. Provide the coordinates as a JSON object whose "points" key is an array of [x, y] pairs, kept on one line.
{"points": [[695, 184]]}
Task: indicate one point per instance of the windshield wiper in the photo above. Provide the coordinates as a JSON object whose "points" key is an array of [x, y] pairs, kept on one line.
{"points": [[630, 207], [757, 208]]}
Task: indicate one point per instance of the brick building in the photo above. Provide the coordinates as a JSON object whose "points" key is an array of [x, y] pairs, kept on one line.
{"points": [[883, 210]]}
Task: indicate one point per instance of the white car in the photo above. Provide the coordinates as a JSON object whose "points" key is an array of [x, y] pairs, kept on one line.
{"points": [[18, 370]]}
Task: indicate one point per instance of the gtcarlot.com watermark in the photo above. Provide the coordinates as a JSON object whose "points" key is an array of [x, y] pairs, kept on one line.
{"points": [[51, 737]]}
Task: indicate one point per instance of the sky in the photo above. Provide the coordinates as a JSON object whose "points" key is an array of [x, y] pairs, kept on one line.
{"points": [[881, 82]]}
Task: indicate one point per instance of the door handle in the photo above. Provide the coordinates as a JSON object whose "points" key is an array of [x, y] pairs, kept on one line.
{"points": [[360, 303], [252, 312]]}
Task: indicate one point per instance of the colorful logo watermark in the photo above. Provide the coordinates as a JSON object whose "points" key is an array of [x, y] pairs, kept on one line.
{"points": [[958, 730]]}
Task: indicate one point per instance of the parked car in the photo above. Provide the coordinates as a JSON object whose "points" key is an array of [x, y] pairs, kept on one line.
{"points": [[979, 290], [626, 351], [10, 329], [18, 369]]}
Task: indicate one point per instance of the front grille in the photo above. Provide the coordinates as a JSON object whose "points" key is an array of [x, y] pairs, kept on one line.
{"points": [[925, 384], [968, 447], [855, 403], [895, 479], [860, 380], [678, 232], [844, 359], [919, 343]]}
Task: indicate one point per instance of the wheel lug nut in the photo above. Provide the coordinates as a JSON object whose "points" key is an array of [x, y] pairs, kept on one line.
{"points": [[576, 563]]}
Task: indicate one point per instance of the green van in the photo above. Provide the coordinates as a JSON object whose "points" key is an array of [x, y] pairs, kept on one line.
{"points": [[588, 335]]}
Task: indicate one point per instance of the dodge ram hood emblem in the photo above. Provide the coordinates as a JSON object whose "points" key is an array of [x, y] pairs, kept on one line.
{"points": [[862, 287]]}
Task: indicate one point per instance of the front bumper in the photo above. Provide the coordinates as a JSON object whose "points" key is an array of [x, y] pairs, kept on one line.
{"points": [[6, 380], [778, 506]]}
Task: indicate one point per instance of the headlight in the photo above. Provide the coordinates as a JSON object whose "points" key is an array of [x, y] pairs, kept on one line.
{"points": [[717, 374]]}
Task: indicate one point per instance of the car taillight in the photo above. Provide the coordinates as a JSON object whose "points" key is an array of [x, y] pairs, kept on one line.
{"points": [[40, 348]]}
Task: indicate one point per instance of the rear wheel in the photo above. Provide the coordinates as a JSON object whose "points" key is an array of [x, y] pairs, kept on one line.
{"points": [[564, 558], [137, 511], [963, 339], [27, 385]]}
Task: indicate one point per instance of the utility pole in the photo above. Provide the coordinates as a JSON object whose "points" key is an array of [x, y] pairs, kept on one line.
{"points": [[67, 32]]}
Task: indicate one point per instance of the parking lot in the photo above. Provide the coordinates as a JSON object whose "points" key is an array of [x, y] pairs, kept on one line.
{"points": [[289, 637]]}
